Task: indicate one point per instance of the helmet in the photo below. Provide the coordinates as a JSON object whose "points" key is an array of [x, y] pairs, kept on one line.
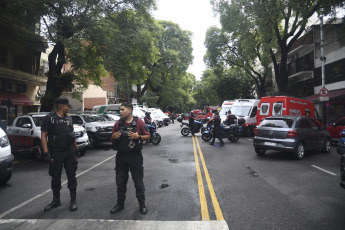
{"points": [[147, 114]]}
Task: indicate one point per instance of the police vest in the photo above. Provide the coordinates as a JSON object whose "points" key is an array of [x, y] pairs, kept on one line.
{"points": [[60, 133], [124, 144], [217, 122]]}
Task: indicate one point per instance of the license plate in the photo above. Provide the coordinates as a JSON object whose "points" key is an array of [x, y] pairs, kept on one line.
{"points": [[270, 143]]}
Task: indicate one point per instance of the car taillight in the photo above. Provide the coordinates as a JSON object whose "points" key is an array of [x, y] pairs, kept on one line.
{"points": [[256, 132], [291, 134]]}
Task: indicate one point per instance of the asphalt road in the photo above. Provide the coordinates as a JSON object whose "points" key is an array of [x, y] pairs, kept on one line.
{"points": [[189, 185]]}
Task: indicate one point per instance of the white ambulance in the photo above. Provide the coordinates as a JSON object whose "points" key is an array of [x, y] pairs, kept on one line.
{"points": [[246, 109]]}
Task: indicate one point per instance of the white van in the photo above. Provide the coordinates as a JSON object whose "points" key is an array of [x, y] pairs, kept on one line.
{"points": [[225, 108], [246, 109]]}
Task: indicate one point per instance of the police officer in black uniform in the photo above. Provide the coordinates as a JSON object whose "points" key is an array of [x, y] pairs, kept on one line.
{"points": [[60, 148], [217, 129], [128, 134]]}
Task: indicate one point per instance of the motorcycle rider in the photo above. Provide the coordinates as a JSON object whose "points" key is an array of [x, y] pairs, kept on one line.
{"points": [[191, 119], [230, 119], [217, 129], [148, 121]]}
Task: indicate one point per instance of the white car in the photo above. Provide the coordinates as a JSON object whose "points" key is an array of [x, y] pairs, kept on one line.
{"points": [[6, 158], [98, 127], [25, 134]]}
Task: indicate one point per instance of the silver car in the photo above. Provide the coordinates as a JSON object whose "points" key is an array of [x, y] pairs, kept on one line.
{"points": [[291, 133]]}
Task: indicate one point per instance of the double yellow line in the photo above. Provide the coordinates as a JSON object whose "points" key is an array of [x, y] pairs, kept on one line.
{"points": [[203, 202]]}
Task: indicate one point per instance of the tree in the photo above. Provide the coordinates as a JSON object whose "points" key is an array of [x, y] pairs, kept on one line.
{"points": [[175, 55], [71, 26], [234, 47], [279, 22], [217, 86]]}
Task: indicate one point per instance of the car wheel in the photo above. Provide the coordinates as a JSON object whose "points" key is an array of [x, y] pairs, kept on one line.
{"points": [[92, 140], [260, 152], [327, 146], [6, 179], [299, 151], [38, 151]]}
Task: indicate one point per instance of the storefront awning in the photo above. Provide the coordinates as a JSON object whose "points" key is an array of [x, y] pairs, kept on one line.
{"points": [[17, 98], [331, 94]]}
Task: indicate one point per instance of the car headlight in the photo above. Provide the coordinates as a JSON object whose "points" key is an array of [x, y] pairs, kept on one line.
{"points": [[4, 142]]}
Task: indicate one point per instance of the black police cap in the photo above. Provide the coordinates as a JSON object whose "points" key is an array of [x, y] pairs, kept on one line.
{"points": [[62, 101]]}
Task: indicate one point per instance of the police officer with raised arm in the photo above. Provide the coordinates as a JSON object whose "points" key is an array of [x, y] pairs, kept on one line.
{"points": [[128, 136], [60, 148]]}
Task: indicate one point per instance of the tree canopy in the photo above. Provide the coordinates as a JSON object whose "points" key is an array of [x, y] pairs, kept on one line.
{"points": [[278, 24]]}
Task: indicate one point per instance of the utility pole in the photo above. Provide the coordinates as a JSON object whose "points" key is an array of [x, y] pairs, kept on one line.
{"points": [[323, 98]]}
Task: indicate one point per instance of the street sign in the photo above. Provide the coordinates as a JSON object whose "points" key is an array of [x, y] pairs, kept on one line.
{"points": [[324, 98], [323, 92]]}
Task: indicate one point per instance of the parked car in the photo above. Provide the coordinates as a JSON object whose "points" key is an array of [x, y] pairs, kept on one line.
{"points": [[291, 133], [6, 158], [97, 126], [112, 116], [25, 134], [336, 128]]}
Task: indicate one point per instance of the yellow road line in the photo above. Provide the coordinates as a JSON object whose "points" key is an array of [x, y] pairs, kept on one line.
{"points": [[203, 203], [214, 199]]}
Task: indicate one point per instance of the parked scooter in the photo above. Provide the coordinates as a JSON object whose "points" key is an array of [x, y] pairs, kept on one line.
{"points": [[155, 138]]}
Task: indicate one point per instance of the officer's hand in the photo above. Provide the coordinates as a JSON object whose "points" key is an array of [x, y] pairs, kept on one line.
{"points": [[116, 135], [48, 157], [133, 136]]}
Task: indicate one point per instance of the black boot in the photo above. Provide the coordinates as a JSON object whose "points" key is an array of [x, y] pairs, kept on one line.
{"points": [[117, 208], [73, 205], [55, 203], [142, 206]]}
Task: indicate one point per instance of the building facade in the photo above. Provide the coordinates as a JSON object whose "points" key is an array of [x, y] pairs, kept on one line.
{"points": [[20, 66]]}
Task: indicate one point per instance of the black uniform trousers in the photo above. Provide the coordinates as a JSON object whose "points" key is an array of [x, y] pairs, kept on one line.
{"points": [[191, 126], [132, 162], [63, 159], [217, 134]]}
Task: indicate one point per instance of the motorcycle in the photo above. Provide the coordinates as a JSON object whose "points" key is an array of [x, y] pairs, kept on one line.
{"points": [[198, 126], [231, 132], [155, 138]]}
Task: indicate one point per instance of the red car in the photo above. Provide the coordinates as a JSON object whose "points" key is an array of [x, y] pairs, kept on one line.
{"points": [[335, 129]]}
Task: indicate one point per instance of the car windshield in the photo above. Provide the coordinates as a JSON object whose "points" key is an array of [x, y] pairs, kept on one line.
{"points": [[241, 110], [224, 110], [93, 118], [277, 123], [38, 121]]}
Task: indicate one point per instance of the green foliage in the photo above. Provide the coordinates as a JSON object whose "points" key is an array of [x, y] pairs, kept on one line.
{"points": [[274, 24], [215, 87]]}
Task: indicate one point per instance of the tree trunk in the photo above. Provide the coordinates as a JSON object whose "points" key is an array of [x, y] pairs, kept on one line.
{"points": [[57, 81], [281, 73]]}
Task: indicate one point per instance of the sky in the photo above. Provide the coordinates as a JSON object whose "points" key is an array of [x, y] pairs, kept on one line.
{"points": [[193, 15]]}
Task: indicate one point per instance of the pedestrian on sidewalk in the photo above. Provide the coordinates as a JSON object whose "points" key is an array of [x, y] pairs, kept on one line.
{"points": [[128, 136]]}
